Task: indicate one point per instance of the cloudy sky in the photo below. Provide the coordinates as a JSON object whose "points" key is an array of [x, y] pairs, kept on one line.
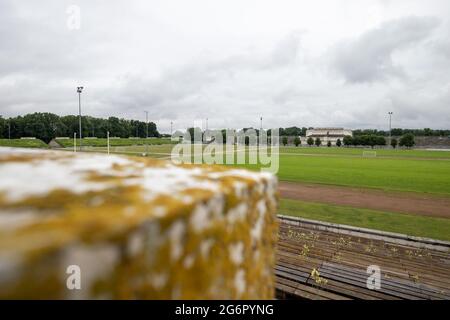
{"points": [[304, 63]]}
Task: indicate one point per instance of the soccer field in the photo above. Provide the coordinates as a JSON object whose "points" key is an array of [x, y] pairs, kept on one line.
{"points": [[358, 152], [392, 170], [412, 175]]}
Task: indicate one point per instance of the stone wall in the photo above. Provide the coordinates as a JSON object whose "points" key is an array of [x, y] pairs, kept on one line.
{"points": [[94, 226]]}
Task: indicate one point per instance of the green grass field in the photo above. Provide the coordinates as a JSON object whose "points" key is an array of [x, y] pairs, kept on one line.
{"points": [[419, 172], [410, 175], [67, 143], [436, 228], [342, 151], [23, 143]]}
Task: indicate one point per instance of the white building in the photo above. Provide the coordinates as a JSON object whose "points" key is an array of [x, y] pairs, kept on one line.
{"points": [[328, 134]]}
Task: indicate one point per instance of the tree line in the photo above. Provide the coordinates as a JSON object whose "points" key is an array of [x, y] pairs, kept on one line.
{"points": [[46, 126], [297, 131], [427, 132], [406, 140], [365, 140]]}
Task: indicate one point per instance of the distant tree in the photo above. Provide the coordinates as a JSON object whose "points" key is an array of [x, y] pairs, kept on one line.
{"points": [[348, 140], [304, 131], [297, 141], [292, 131], [357, 140], [329, 144], [318, 142], [427, 132], [46, 126], [394, 143], [310, 141], [3, 128], [397, 131], [338, 142], [407, 140], [195, 135], [284, 140], [370, 140], [381, 141], [115, 127]]}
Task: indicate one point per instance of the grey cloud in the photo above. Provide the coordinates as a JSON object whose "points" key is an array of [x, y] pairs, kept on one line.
{"points": [[413, 106], [368, 58], [287, 50], [201, 87], [136, 56], [409, 106]]}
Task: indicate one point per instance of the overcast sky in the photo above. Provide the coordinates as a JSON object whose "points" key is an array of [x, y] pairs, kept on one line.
{"points": [[304, 63]]}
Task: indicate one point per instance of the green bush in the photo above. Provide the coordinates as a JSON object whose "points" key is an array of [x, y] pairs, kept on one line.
{"points": [[318, 142], [394, 143], [348, 140], [407, 140], [23, 143], [66, 143]]}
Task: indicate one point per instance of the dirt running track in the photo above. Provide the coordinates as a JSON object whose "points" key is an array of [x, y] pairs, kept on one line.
{"points": [[411, 203]]}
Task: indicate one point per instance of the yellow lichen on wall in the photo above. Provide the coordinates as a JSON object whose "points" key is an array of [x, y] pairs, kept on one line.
{"points": [[136, 228]]}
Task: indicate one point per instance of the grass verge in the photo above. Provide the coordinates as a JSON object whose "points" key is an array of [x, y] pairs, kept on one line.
{"points": [[420, 226], [100, 142], [23, 143]]}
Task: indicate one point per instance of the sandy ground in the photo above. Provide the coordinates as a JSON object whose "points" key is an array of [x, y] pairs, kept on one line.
{"points": [[411, 203]]}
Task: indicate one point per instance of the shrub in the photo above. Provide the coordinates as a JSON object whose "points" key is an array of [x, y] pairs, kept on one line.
{"points": [[407, 140], [348, 140], [318, 142], [394, 143]]}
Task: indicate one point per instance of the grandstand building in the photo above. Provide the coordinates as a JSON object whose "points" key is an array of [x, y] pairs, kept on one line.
{"points": [[328, 134]]}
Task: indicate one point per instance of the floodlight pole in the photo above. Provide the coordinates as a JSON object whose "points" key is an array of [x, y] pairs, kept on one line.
{"points": [[146, 122], [107, 140], [171, 128], [146, 134], [390, 127], [79, 90], [9, 129], [260, 130]]}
